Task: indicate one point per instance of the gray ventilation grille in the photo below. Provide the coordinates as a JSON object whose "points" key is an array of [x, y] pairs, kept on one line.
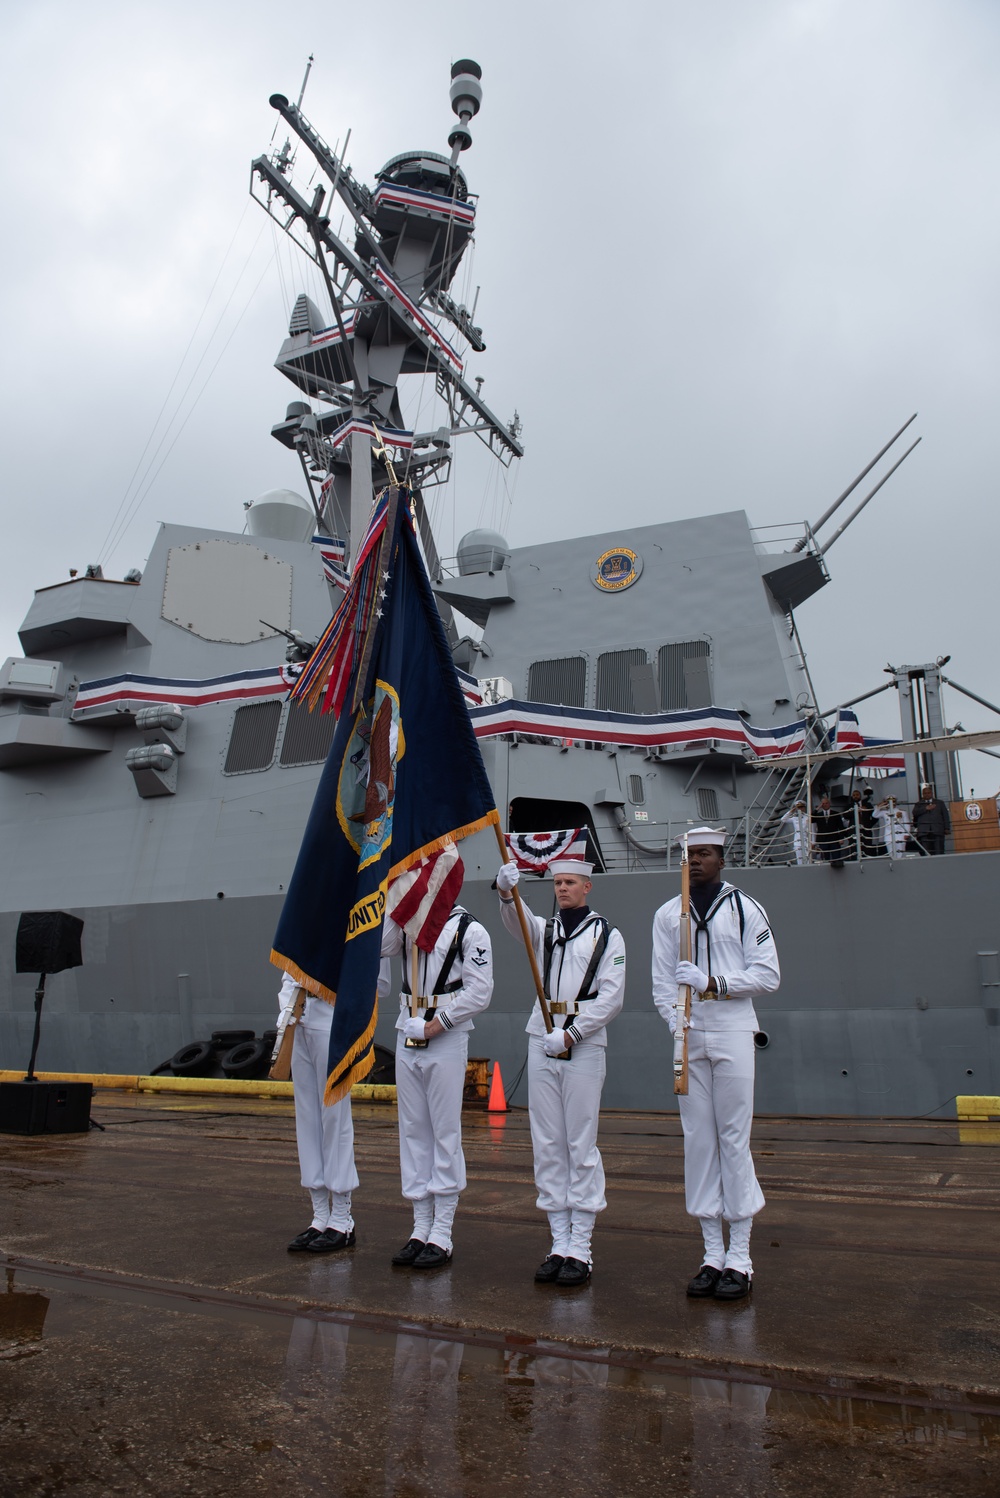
{"points": [[308, 736], [637, 790], [253, 737], [300, 320], [708, 804], [685, 677], [563, 681], [614, 684]]}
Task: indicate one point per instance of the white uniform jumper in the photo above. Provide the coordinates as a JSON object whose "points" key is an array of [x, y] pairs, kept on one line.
{"points": [[325, 1136], [803, 834], [564, 1097], [895, 829], [455, 982], [733, 944]]}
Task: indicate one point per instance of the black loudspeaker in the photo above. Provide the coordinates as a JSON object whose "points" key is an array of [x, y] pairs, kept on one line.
{"points": [[48, 941], [45, 1107]]}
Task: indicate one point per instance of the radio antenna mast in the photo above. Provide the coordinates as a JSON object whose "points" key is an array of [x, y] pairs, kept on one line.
{"points": [[305, 80]]}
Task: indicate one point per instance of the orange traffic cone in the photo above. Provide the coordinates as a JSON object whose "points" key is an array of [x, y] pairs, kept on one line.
{"points": [[498, 1100]]}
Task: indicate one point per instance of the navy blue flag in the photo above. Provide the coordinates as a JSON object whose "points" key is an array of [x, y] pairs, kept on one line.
{"points": [[404, 776]]}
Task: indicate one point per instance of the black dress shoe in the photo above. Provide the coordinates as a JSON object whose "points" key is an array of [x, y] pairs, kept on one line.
{"points": [[573, 1272], [303, 1240], [407, 1253], [330, 1240], [548, 1272], [432, 1257], [734, 1285], [704, 1283]]}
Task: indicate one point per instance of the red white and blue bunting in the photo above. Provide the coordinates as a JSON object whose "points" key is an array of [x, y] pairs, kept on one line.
{"points": [[848, 735], [395, 196], [393, 436], [332, 552], [438, 339], [534, 851], [567, 725], [653, 731]]}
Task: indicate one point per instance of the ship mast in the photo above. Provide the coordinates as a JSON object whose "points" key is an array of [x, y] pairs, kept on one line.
{"points": [[390, 313]]}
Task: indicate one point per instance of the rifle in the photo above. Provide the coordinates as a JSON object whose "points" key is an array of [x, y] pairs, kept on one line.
{"points": [[684, 955], [281, 1058]]}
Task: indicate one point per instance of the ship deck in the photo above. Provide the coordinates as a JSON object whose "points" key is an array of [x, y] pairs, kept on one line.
{"points": [[155, 1336]]}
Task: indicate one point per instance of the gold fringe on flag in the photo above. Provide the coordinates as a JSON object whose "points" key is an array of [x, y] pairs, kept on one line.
{"points": [[338, 1085], [491, 819], [311, 985]]}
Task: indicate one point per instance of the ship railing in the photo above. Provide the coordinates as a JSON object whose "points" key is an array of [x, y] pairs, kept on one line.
{"points": [[658, 847], [783, 536], [856, 843]]}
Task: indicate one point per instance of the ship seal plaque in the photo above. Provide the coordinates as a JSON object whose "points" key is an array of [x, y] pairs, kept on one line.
{"points": [[616, 569]]}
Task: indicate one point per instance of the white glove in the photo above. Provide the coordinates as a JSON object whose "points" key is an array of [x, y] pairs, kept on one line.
{"points": [[556, 1043], [690, 976], [414, 1029], [508, 877]]}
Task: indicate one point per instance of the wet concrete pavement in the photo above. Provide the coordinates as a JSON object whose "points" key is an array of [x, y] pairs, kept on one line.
{"points": [[183, 1351]]}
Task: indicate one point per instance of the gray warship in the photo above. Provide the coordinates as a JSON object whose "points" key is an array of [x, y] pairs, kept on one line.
{"points": [[155, 781]]}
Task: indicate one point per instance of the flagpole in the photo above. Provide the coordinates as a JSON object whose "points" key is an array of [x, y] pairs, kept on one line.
{"points": [[528, 944], [414, 977], [414, 1045]]}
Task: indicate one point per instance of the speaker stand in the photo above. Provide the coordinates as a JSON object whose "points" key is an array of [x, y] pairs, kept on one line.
{"points": [[39, 996]]}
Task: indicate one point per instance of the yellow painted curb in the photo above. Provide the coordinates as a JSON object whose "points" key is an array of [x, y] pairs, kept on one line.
{"points": [[362, 1092], [978, 1120], [980, 1109]]}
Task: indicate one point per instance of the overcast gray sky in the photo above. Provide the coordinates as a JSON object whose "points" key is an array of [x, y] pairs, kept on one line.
{"points": [[725, 250]]}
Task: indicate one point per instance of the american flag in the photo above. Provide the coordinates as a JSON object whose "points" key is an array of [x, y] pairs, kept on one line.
{"points": [[421, 900], [534, 851]]}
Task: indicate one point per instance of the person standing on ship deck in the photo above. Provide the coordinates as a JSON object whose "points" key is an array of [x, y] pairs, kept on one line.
{"points": [[931, 822], [734, 959], [582, 959]]}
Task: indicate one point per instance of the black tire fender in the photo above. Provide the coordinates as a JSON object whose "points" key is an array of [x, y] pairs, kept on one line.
{"points": [[224, 1040], [193, 1060], [247, 1059]]}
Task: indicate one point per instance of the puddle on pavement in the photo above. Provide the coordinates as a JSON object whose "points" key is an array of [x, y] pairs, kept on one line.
{"points": [[112, 1382]]}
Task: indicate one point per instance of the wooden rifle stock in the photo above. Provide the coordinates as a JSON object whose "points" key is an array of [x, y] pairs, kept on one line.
{"points": [[684, 954], [281, 1066]]}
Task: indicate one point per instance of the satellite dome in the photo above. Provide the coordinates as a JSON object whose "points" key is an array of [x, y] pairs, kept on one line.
{"points": [[482, 551], [281, 514]]}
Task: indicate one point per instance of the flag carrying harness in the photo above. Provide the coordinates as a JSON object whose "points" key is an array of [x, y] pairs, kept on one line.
{"points": [[600, 947], [454, 954]]}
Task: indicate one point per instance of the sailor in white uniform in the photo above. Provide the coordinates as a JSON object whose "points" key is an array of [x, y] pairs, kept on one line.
{"points": [[803, 832], [734, 959], [324, 1135], [582, 959], [454, 983], [895, 826]]}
